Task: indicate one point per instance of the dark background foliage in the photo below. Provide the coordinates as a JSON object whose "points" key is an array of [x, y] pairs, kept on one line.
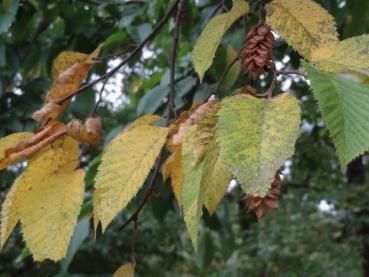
{"points": [[322, 225]]}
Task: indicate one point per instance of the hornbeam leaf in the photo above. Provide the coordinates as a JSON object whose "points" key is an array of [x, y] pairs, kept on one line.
{"points": [[216, 177], [204, 50], [344, 105], [192, 190], [125, 164], [256, 137], [46, 199], [10, 141], [127, 270], [304, 24], [349, 55], [173, 168]]}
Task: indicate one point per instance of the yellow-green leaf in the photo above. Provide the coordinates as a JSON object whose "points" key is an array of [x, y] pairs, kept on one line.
{"points": [[46, 199], [349, 55], [125, 164], [192, 193], [127, 270], [256, 137], [204, 50], [216, 177], [304, 24]]}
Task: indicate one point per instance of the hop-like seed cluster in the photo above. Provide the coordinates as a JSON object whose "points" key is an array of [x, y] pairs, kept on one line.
{"points": [[256, 55], [264, 205]]}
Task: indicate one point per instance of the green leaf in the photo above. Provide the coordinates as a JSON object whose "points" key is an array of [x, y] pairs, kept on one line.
{"points": [[344, 105], [206, 250], [256, 137], [8, 16], [204, 50], [235, 70]]}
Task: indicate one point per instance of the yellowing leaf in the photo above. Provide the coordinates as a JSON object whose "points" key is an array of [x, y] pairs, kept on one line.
{"points": [[46, 199], [344, 105], [256, 137], [344, 56], [65, 60], [216, 178], [126, 270], [304, 24], [145, 120], [204, 50], [126, 162], [173, 168]]}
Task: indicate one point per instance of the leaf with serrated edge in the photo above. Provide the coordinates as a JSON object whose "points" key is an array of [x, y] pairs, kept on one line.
{"points": [[47, 200], [216, 177], [256, 137], [65, 60], [304, 24], [125, 164], [11, 140], [344, 56], [344, 105], [126, 270], [204, 50], [173, 168]]}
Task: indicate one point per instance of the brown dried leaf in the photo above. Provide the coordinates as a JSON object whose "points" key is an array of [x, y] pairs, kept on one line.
{"points": [[89, 132], [28, 147], [75, 70]]}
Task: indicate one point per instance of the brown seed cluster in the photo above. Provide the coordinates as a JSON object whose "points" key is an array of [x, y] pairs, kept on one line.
{"points": [[256, 55], [264, 205]]}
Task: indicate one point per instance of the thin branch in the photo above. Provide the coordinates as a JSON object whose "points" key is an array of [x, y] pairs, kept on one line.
{"points": [[128, 58], [273, 85], [171, 105], [94, 110], [292, 72], [133, 242]]}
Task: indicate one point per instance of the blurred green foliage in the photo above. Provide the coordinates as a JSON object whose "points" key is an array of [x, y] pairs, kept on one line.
{"points": [[322, 225]]}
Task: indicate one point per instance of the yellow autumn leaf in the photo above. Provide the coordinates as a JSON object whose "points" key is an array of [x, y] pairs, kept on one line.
{"points": [[46, 199], [125, 164], [204, 50], [65, 60], [144, 120], [304, 24], [173, 168], [126, 270], [349, 55]]}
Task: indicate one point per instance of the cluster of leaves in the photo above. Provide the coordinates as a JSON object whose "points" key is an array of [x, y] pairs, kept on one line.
{"points": [[241, 136]]}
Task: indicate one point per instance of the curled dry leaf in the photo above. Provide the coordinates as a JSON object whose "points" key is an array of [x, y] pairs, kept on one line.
{"points": [[194, 117], [68, 71], [88, 132], [28, 147]]}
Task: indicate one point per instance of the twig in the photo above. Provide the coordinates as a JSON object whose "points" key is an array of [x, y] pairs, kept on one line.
{"points": [[94, 110], [269, 92], [133, 242], [127, 59], [292, 72], [171, 105]]}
